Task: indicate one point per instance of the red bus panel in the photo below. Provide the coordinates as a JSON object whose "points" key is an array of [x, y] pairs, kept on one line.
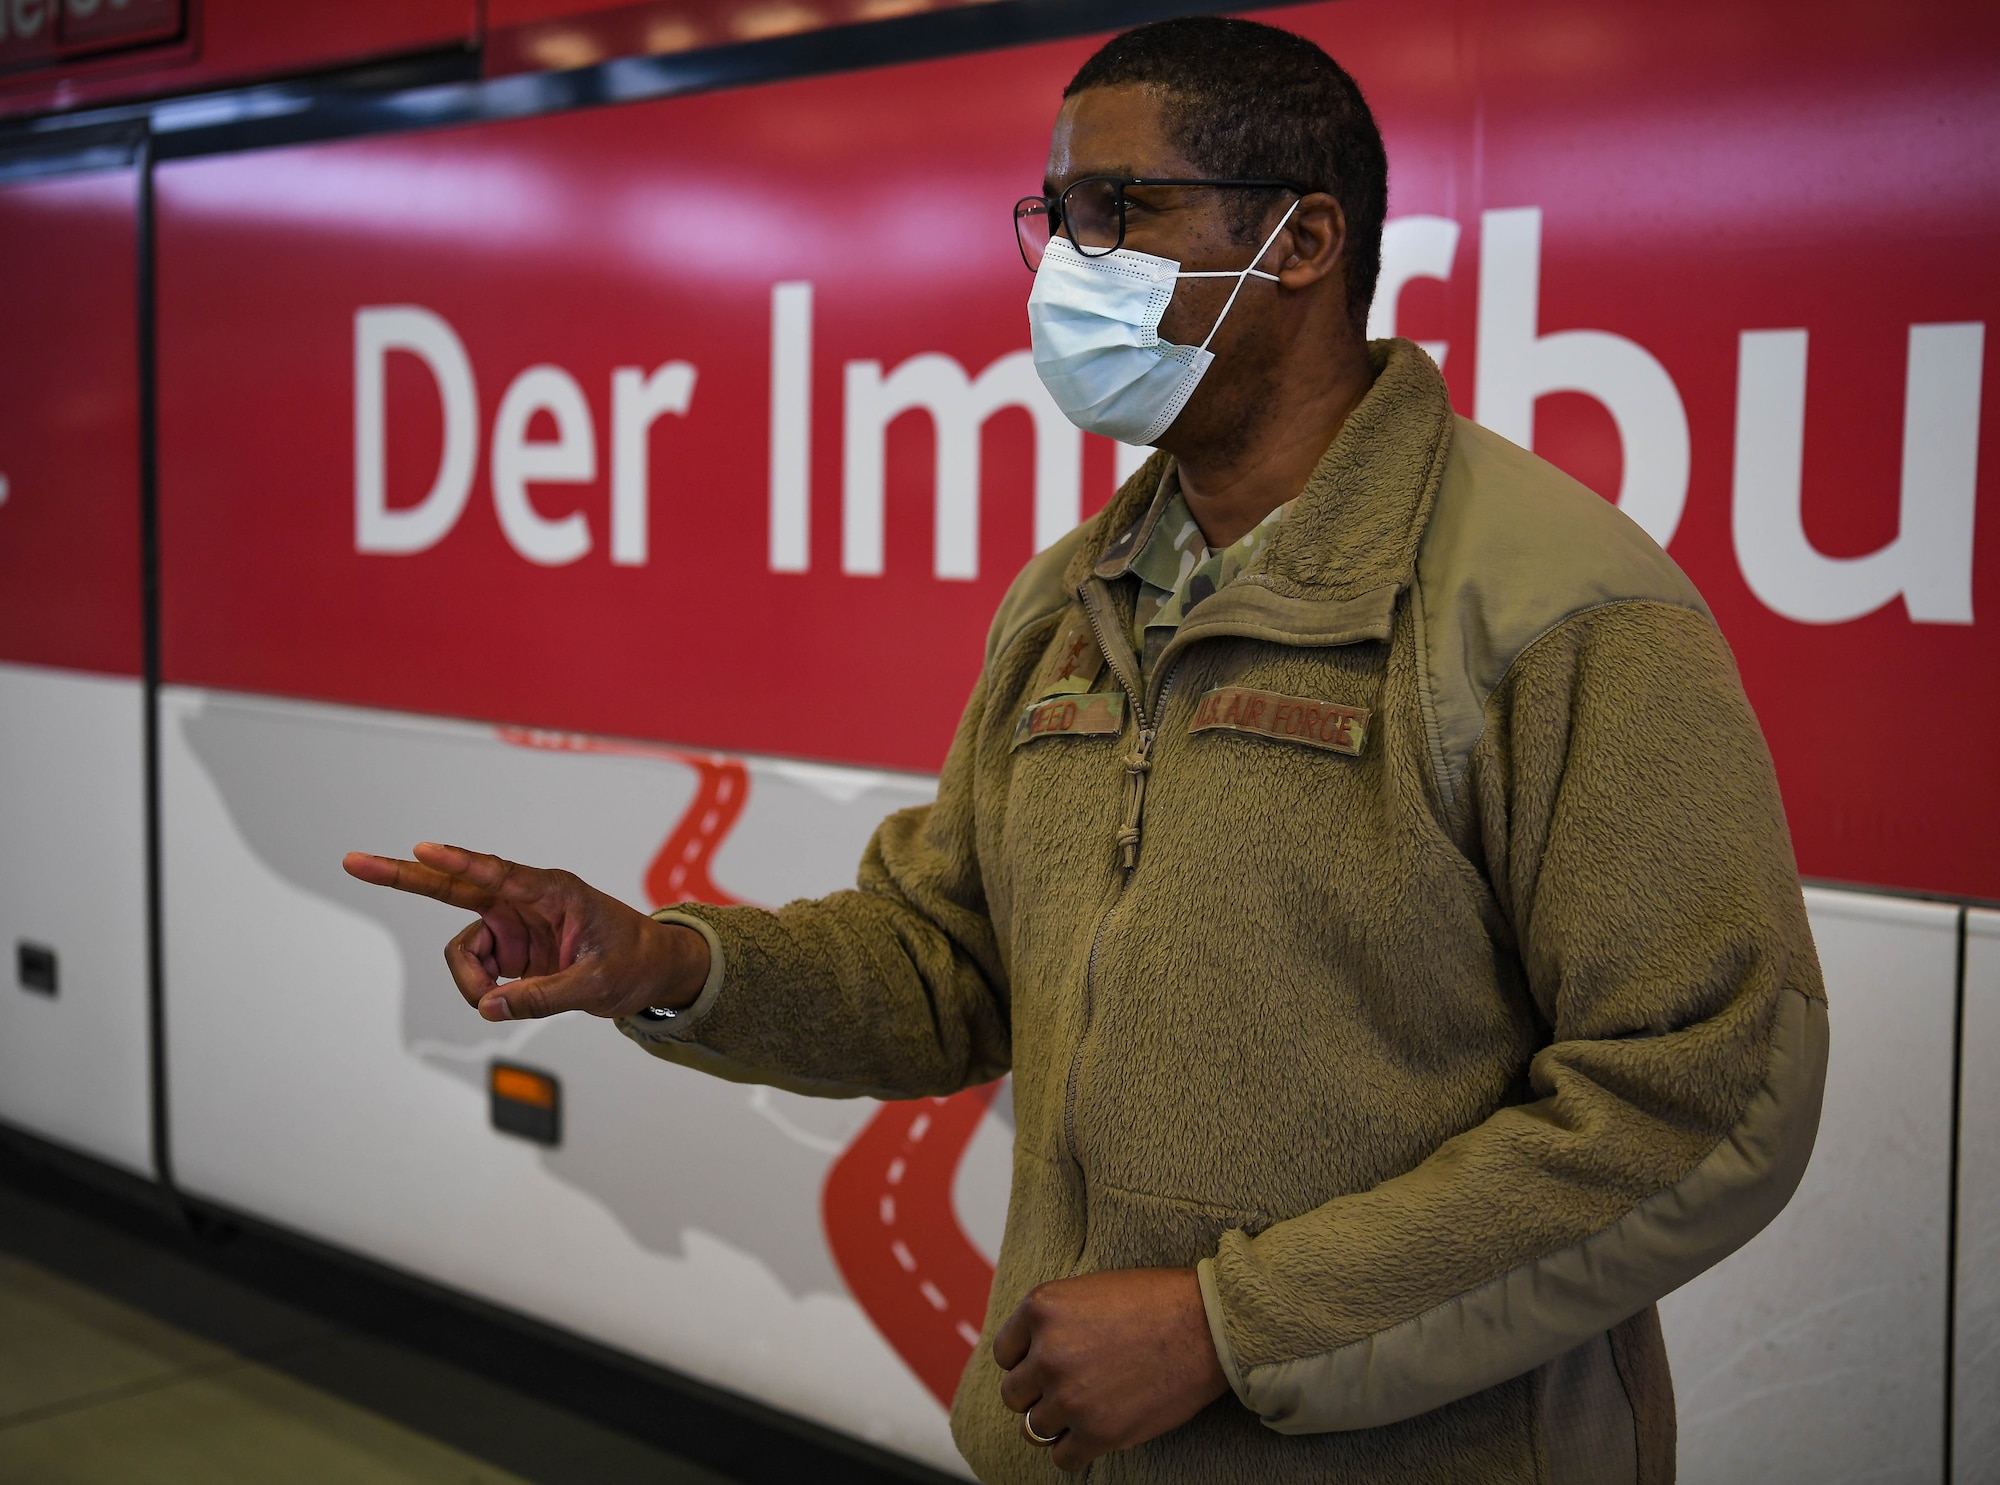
{"points": [[69, 424], [74, 53], [531, 35], [708, 419]]}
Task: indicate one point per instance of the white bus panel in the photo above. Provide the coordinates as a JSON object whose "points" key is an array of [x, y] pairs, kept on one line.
{"points": [[1816, 1354], [327, 1076], [73, 1056], [1975, 1445]]}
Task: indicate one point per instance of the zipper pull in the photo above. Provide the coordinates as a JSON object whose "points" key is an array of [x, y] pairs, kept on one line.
{"points": [[1138, 763]]}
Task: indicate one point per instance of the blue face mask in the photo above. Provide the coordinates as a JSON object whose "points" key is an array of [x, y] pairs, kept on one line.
{"points": [[1095, 327]]}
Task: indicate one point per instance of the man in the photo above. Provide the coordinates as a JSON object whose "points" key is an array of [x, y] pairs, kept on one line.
{"points": [[1358, 846]]}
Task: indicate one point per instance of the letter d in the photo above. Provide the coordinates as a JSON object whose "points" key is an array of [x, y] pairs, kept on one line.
{"points": [[408, 327]]}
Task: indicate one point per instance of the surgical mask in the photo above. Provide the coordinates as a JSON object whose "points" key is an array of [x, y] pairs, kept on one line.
{"points": [[1095, 327]]}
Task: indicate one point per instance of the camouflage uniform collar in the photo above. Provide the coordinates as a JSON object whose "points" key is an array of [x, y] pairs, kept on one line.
{"points": [[1160, 559], [1163, 478], [1177, 563], [1177, 571], [1354, 528]]}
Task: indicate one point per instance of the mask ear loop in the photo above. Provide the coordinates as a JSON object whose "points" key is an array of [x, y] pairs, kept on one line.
{"points": [[1253, 271]]}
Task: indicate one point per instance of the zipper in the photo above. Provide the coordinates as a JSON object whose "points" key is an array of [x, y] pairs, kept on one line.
{"points": [[1138, 764], [1121, 658]]}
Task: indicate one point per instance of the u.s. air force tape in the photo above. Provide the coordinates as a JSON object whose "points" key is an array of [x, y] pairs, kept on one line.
{"points": [[1293, 719]]}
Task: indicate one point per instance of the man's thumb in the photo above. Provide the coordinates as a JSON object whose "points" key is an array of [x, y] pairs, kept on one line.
{"points": [[533, 998]]}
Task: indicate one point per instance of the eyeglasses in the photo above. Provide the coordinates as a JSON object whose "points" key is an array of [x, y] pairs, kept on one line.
{"points": [[1091, 212]]}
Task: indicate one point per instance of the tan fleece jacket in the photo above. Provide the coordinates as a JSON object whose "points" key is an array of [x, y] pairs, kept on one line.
{"points": [[1443, 1057]]}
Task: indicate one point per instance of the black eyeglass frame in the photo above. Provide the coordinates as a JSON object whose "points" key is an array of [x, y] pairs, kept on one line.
{"points": [[1053, 206]]}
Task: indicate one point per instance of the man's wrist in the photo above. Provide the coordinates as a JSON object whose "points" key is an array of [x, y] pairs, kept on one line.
{"points": [[687, 966]]}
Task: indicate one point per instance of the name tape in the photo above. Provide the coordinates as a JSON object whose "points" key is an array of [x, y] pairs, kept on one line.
{"points": [[1072, 716], [1294, 719]]}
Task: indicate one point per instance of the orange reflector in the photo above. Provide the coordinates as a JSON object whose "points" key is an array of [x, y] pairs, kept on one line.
{"points": [[524, 1102], [518, 1085]]}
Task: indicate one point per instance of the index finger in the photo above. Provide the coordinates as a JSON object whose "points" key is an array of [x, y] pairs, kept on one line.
{"points": [[495, 875], [415, 877], [1012, 1339]]}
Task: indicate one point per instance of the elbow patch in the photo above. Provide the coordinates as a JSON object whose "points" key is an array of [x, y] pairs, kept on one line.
{"points": [[1543, 1308]]}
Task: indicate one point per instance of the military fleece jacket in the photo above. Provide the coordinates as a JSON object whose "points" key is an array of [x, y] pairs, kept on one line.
{"points": [[1442, 1059]]}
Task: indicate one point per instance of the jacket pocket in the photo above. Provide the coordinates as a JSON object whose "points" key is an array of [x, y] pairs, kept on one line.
{"points": [[1136, 1229]]}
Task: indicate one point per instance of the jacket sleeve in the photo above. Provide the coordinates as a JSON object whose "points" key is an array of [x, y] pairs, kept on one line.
{"points": [[1631, 830], [895, 989]]}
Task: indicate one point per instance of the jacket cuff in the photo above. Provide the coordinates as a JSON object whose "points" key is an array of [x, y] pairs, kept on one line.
{"points": [[679, 1025], [1211, 1302]]}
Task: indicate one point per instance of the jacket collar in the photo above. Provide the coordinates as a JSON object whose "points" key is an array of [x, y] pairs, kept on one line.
{"points": [[1350, 538]]}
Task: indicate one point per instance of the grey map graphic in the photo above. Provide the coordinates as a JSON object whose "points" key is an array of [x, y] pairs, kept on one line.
{"points": [[663, 1148]]}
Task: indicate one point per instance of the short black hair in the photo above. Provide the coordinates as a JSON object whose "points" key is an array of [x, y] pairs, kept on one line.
{"points": [[1252, 102]]}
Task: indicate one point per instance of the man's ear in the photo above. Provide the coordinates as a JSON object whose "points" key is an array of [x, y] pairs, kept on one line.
{"points": [[1317, 236]]}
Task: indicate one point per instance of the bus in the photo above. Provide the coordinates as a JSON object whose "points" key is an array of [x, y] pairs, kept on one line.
{"points": [[601, 434]]}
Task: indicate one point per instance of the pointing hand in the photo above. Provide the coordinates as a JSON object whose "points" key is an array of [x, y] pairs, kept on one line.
{"points": [[562, 944]]}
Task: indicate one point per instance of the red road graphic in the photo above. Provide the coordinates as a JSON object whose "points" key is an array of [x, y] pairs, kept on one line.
{"points": [[679, 872], [886, 1205], [889, 1221]]}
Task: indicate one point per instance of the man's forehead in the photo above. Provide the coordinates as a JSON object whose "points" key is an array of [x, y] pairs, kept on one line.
{"points": [[1109, 131]]}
